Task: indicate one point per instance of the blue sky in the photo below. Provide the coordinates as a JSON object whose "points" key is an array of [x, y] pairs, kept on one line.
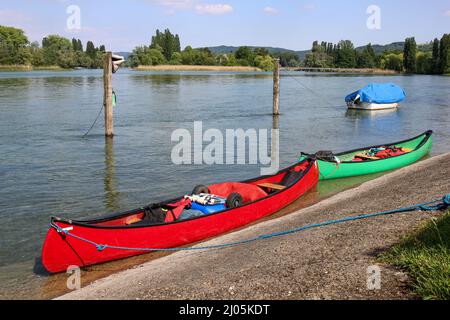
{"points": [[293, 24]]}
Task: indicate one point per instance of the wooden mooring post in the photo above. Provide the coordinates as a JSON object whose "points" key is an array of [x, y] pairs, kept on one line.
{"points": [[107, 96], [276, 87]]}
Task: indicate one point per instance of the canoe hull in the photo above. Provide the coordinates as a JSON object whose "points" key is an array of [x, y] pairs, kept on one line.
{"points": [[329, 170], [61, 251]]}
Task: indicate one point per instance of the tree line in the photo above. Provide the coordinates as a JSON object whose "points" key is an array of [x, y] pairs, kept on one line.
{"points": [[165, 49], [435, 60], [54, 50]]}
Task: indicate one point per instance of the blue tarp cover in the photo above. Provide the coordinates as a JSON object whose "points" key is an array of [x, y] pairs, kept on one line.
{"points": [[379, 93]]}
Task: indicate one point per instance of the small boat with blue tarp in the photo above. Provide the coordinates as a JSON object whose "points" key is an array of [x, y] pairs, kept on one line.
{"points": [[376, 96]]}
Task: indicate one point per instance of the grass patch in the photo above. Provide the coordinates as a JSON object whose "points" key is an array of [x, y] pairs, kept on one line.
{"points": [[425, 255], [15, 67]]}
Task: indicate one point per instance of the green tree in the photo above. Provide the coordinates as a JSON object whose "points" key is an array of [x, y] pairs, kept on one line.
{"points": [[245, 53], [140, 56], [231, 60], [156, 56], [37, 56], [90, 49], [58, 51], [409, 55], [435, 55], [176, 58], [288, 59], [346, 55], [177, 46], [316, 47], [264, 62], [371, 51], [166, 42], [318, 60], [444, 54], [146, 56], [424, 62], [13, 46], [366, 59], [392, 61], [79, 45], [261, 52]]}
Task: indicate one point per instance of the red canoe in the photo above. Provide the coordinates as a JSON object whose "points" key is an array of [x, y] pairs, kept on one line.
{"points": [[158, 226]]}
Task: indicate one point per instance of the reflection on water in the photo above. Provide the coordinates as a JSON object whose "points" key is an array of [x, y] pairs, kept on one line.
{"points": [[47, 168], [111, 193], [361, 114], [275, 143]]}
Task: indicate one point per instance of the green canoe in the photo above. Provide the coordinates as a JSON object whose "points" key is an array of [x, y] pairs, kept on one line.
{"points": [[420, 145]]}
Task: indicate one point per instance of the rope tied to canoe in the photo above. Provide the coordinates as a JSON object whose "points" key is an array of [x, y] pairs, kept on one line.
{"points": [[435, 205], [327, 156]]}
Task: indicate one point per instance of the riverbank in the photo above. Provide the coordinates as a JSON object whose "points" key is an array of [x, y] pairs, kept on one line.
{"points": [[196, 68], [324, 263], [375, 71], [13, 68]]}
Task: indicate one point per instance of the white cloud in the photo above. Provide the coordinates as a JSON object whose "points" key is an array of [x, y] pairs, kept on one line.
{"points": [[176, 4], [310, 6], [214, 8], [447, 13], [197, 5], [173, 5], [270, 10]]}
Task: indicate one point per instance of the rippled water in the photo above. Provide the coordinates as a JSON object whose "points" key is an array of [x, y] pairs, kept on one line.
{"points": [[47, 168]]}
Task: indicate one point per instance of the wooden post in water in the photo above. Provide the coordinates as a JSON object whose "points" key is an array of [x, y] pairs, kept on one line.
{"points": [[107, 96], [276, 87]]}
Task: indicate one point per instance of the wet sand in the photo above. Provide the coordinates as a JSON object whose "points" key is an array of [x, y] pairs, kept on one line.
{"points": [[325, 263]]}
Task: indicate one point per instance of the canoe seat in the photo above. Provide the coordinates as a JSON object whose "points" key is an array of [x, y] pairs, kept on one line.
{"points": [[271, 186], [288, 179], [364, 156], [133, 220]]}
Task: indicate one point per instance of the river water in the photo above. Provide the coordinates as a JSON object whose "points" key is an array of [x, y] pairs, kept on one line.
{"points": [[48, 168]]}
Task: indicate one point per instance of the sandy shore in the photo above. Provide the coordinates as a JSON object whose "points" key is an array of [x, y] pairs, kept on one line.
{"points": [[325, 263], [195, 68]]}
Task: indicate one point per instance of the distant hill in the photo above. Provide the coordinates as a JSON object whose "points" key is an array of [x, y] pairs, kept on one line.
{"points": [[395, 46], [229, 49]]}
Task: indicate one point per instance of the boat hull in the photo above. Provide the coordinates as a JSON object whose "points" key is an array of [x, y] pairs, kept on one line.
{"points": [[61, 251], [421, 144], [372, 106]]}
